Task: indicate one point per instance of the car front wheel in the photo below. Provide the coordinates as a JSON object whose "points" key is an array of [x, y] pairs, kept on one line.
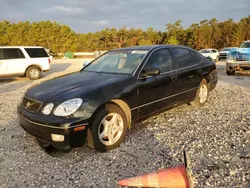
{"points": [[46, 146], [230, 72], [108, 128]]}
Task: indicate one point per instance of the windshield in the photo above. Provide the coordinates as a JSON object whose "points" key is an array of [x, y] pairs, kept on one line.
{"points": [[245, 45], [226, 49], [205, 51], [117, 62]]}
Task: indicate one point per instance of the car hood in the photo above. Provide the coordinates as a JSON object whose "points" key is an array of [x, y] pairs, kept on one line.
{"points": [[86, 80], [224, 52]]}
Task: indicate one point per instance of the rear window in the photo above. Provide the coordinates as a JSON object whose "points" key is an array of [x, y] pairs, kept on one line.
{"points": [[36, 52], [12, 53]]}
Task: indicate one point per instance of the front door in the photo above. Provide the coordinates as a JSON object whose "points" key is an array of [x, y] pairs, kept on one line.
{"points": [[158, 92]]}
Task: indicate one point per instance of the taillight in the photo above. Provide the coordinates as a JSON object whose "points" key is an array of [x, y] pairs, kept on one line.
{"points": [[49, 60]]}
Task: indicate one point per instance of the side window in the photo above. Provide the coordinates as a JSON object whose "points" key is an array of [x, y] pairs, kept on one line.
{"points": [[12, 53], [36, 52], [162, 60], [1, 54], [214, 51], [245, 45], [196, 58], [183, 57]]}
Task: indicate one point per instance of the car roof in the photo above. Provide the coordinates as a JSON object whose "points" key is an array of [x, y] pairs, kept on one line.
{"points": [[208, 49], [138, 48], [21, 47], [149, 47]]}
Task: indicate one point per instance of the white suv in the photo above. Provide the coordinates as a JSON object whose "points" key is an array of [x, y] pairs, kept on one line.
{"points": [[213, 54], [27, 61]]}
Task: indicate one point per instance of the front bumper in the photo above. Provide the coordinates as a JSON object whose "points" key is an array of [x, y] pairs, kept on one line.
{"points": [[237, 66], [43, 131], [46, 70], [223, 56]]}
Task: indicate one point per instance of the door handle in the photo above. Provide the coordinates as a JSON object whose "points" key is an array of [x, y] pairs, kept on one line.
{"points": [[174, 78], [199, 71]]}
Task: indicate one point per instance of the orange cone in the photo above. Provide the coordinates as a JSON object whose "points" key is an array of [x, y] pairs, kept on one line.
{"points": [[176, 177]]}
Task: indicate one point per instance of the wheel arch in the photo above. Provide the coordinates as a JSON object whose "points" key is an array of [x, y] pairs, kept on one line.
{"points": [[125, 107], [122, 104]]}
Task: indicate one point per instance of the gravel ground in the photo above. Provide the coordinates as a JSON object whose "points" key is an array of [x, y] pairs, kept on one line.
{"points": [[217, 137]]}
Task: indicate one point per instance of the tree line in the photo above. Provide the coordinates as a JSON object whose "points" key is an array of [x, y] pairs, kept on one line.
{"points": [[60, 38]]}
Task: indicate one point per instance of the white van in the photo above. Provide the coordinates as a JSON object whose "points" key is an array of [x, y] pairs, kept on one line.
{"points": [[27, 61]]}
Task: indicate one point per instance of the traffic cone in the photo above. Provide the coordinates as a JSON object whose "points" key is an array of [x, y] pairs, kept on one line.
{"points": [[176, 177]]}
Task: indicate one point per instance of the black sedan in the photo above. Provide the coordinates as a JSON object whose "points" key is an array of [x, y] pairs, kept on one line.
{"points": [[97, 104]]}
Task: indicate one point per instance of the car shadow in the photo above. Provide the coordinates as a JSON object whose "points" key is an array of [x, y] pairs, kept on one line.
{"points": [[55, 68], [14, 83]]}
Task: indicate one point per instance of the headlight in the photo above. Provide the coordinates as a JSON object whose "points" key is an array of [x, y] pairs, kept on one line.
{"points": [[68, 107], [48, 108]]}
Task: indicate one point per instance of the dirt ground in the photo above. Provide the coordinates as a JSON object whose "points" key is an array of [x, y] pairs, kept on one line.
{"points": [[217, 137]]}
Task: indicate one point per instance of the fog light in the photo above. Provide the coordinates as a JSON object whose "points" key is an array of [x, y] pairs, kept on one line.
{"points": [[57, 137]]}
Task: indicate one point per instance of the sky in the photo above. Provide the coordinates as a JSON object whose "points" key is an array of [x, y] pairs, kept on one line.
{"points": [[93, 15]]}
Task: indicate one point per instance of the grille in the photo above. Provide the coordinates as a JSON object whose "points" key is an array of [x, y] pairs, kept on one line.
{"points": [[36, 131], [223, 55], [31, 105]]}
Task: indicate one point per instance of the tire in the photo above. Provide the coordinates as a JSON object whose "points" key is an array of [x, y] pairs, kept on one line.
{"points": [[33, 73], [198, 101], [230, 72], [104, 120]]}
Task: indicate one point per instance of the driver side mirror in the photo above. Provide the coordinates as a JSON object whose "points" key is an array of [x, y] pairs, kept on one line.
{"points": [[86, 63], [150, 72]]}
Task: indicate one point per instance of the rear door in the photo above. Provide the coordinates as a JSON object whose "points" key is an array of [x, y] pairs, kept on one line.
{"points": [[39, 57], [15, 60], [3, 64], [189, 72], [158, 92]]}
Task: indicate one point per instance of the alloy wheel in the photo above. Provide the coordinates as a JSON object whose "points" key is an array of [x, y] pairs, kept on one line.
{"points": [[110, 129], [34, 73], [203, 93]]}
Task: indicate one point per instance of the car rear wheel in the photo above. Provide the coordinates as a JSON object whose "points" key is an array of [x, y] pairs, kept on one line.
{"points": [[201, 94], [108, 128], [230, 72], [33, 73], [217, 59]]}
